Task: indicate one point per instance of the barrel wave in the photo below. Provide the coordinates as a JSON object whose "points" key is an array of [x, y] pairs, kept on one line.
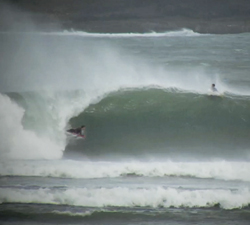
{"points": [[132, 105], [144, 122], [166, 122], [159, 146]]}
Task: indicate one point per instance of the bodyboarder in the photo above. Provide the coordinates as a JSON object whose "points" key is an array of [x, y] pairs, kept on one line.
{"points": [[79, 131]]}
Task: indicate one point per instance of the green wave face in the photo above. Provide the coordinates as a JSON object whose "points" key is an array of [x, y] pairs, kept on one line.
{"points": [[165, 123]]}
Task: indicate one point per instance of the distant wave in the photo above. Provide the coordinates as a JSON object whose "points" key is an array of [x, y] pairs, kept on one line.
{"points": [[177, 33], [182, 32]]}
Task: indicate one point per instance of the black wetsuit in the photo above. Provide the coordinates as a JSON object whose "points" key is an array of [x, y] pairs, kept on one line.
{"points": [[76, 131]]}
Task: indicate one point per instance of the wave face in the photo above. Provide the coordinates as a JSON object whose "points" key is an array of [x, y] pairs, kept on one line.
{"points": [[136, 123], [166, 123]]}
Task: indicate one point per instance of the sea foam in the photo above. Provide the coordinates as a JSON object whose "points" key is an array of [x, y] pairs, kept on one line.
{"points": [[222, 170], [125, 197]]}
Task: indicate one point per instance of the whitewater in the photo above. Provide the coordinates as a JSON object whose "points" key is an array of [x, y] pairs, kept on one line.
{"points": [[159, 149]]}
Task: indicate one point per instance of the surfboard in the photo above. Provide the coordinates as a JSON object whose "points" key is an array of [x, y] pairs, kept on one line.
{"points": [[215, 94], [72, 134]]}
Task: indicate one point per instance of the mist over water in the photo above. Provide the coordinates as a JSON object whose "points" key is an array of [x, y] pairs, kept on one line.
{"points": [[50, 69], [50, 66], [54, 77]]}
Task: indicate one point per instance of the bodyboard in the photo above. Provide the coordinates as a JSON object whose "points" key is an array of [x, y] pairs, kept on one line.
{"points": [[73, 134]]}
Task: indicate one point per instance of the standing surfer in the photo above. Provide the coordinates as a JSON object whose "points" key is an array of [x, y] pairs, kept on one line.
{"points": [[213, 88]]}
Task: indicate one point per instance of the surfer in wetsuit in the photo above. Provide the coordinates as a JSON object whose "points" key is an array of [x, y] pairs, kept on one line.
{"points": [[213, 88], [79, 130]]}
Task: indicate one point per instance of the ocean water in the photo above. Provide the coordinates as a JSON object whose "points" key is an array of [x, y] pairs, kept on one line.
{"points": [[159, 148]]}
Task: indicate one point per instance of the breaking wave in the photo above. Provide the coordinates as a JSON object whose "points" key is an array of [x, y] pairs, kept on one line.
{"points": [[127, 103], [221, 170], [126, 197]]}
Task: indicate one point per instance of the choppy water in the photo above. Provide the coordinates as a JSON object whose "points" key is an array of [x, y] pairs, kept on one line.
{"points": [[158, 149]]}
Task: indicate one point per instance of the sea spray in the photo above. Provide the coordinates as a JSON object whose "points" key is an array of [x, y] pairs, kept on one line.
{"points": [[53, 67], [16, 142]]}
